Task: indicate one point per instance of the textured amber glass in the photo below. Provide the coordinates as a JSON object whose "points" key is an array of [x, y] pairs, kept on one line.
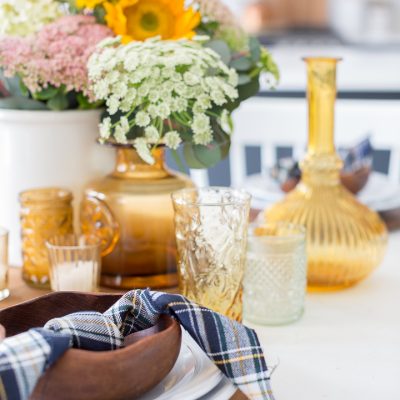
{"points": [[131, 211], [211, 231], [345, 239], [44, 213]]}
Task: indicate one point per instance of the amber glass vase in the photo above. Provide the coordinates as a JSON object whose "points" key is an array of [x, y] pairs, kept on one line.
{"points": [[132, 213], [345, 239]]}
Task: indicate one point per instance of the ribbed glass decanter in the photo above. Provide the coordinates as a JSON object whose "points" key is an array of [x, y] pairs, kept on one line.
{"points": [[345, 239]]}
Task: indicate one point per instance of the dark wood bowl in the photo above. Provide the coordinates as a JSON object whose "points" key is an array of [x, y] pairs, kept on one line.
{"points": [[126, 373]]}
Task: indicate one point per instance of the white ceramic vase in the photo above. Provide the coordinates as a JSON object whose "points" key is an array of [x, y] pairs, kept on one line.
{"points": [[44, 149]]}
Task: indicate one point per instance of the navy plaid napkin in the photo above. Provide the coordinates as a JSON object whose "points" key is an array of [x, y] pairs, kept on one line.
{"points": [[234, 348]]}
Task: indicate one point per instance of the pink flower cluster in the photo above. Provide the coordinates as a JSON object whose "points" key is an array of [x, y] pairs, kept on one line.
{"points": [[57, 55]]}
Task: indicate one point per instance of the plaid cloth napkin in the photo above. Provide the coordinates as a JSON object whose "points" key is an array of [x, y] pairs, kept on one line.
{"points": [[234, 348]]}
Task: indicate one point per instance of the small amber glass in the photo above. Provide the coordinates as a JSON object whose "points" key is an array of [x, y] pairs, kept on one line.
{"points": [[44, 213], [211, 233]]}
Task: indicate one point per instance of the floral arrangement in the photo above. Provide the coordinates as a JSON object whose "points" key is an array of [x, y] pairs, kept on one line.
{"points": [[168, 71], [174, 75], [51, 65]]}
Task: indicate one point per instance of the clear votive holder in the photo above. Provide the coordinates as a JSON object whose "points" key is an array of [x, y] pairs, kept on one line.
{"points": [[4, 291], [276, 274], [75, 263], [211, 232]]}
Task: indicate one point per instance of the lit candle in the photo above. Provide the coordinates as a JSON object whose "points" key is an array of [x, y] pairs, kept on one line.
{"points": [[81, 276]]}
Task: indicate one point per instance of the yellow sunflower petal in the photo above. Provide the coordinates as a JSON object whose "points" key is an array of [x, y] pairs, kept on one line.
{"points": [[186, 24], [88, 3], [176, 6], [115, 18]]}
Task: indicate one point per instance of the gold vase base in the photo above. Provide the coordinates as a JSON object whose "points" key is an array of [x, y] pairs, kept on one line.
{"points": [[140, 282], [326, 288]]}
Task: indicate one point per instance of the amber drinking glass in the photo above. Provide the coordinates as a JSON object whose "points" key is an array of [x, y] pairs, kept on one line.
{"points": [[345, 239], [131, 212], [211, 232], [4, 291], [276, 274], [75, 263], [44, 213]]}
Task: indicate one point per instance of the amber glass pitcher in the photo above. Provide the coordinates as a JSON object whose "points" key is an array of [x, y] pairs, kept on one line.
{"points": [[131, 211], [345, 239]]}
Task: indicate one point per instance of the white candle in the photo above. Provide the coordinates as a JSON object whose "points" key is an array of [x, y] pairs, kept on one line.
{"points": [[80, 276]]}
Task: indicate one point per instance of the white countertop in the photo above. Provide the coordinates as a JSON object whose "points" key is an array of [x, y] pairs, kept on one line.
{"points": [[347, 345]]}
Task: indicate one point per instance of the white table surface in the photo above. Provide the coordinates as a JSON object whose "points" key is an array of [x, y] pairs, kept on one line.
{"points": [[347, 344]]}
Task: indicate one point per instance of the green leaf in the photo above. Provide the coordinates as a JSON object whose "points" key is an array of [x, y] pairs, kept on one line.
{"points": [[221, 48], [46, 94], [85, 104], [268, 64], [190, 158], [24, 89], [255, 49], [221, 138], [21, 103], [100, 13], [12, 85], [241, 64], [208, 155], [178, 160], [207, 28], [249, 90], [58, 102], [244, 79]]}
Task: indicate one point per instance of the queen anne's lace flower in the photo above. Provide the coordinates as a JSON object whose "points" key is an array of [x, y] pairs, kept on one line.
{"points": [[142, 147], [172, 139], [152, 135], [105, 128], [158, 84], [24, 17]]}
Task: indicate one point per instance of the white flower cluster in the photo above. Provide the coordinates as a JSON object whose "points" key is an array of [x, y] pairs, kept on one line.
{"points": [[160, 87], [24, 17]]}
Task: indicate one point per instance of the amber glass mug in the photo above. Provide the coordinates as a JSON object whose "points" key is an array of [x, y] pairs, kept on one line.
{"points": [[44, 213]]}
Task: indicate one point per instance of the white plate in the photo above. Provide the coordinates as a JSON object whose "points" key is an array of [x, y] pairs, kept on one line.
{"points": [[379, 193], [193, 375], [223, 391]]}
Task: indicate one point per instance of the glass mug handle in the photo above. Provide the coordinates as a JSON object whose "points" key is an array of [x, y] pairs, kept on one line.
{"points": [[98, 220]]}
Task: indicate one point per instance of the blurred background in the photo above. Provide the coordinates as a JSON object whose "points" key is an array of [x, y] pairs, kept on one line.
{"points": [[366, 35]]}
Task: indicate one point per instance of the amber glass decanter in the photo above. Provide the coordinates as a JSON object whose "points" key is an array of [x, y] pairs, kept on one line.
{"points": [[345, 239], [131, 211]]}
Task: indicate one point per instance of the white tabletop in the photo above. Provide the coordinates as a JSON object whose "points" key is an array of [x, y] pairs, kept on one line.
{"points": [[347, 344]]}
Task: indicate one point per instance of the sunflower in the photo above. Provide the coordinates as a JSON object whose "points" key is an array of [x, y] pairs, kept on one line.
{"points": [[143, 19]]}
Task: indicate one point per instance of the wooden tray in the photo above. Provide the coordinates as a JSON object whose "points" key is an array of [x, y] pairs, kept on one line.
{"points": [[84, 375]]}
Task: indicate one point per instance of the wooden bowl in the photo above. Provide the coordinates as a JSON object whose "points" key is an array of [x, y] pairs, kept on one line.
{"points": [[356, 181], [126, 373], [352, 181]]}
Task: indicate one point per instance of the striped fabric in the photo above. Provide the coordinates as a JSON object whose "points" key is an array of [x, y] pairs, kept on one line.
{"points": [[234, 348]]}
